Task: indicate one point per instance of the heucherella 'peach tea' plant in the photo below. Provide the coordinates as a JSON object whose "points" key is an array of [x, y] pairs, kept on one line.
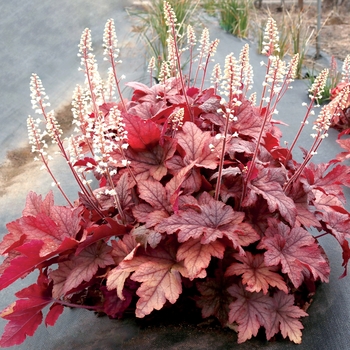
{"points": [[195, 194]]}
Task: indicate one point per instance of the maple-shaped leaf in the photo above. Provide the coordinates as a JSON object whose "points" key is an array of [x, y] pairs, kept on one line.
{"points": [[327, 202], [160, 281], [51, 229], [284, 316], [122, 247], [196, 143], [265, 184], [305, 213], [248, 121], [338, 224], [86, 264], [28, 260], [41, 220], [142, 134], [255, 274], [151, 161], [215, 299], [197, 256], [117, 276], [25, 314], [154, 194], [213, 221], [295, 249], [250, 311], [326, 179], [14, 238], [35, 204]]}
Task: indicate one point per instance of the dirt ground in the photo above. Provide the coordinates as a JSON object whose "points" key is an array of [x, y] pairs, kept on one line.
{"points": [[334, 36]]}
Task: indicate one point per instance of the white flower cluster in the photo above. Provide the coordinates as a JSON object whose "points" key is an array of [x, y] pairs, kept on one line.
{"points": [[271, 38]]}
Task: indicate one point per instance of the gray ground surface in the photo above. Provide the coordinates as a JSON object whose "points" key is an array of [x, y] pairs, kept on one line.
{"points": [[42, 37]]}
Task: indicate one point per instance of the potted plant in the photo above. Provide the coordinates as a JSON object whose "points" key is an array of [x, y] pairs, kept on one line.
{"points": [[194, 195]]}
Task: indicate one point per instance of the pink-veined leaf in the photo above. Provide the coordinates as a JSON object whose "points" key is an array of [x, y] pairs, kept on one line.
{"points": [[153, 193], [160, 281], [62, 223], [255, 274], [214, 221], [117, 276], [250, 311], [285, 317], [151, 161], [295, 249], [35, 204], [271, 190], [197, 256], [196, 143], [86, 264]]}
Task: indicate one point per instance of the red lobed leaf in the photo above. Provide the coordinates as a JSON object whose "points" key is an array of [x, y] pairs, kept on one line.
{"points": [[117, 276], [151, 161], [85, 265], [255, 274], [160, 281], [196, 143], [197, 256], [35, 204], [284, 316], [214, 221], [265, 184], [154, 194], [25, 314], [142, 134], [296, 250], [249, 310]]}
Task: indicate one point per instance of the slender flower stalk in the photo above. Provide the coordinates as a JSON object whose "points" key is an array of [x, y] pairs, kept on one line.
{"points": [[112, 52], [315, 92], [191, 41], [150, 70], [271, 50], [38, 146], [88, 61], [230, 86], [38, 96], [204, 49], [211, 52], [170, 20], [216, 77], [321, 126], [345, 78]]}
